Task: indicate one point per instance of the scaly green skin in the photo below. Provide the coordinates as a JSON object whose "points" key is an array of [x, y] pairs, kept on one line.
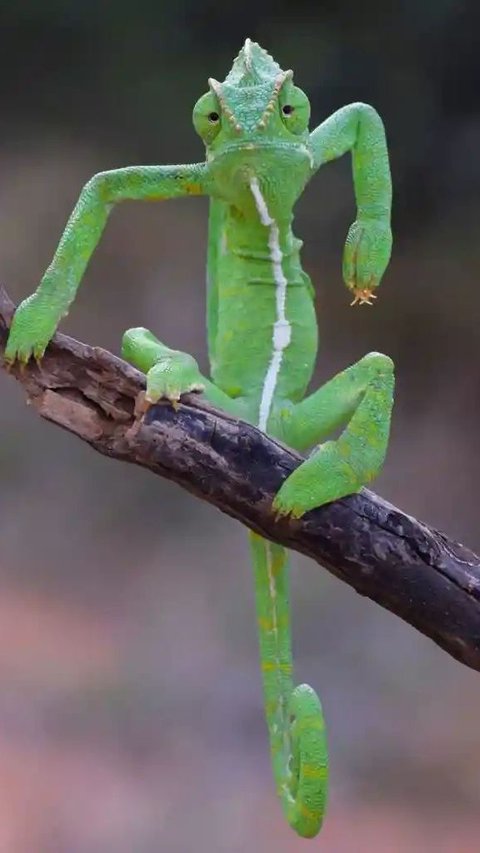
{"points": [[262, 336]]}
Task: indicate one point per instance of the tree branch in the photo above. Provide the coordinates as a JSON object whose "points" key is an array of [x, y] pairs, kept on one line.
{"points": [[405, 566]]}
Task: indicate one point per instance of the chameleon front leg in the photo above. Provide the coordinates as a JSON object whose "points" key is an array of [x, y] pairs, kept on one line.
{"points": [[38, 316], [170, 373], [358, 128], [362, 397]]}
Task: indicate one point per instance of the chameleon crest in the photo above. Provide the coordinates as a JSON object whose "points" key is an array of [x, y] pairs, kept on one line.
{"points": [[262, 336], [250, 92]]}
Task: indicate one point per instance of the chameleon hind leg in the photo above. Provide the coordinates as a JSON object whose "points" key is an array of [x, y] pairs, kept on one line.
{"points": [[170, 373], [360, 397]]}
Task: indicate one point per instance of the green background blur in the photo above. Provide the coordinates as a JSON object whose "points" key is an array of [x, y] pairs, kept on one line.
{"points": [[130, 698]]}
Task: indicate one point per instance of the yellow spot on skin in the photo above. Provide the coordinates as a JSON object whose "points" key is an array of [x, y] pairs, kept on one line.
{"points": [[233, 390], [272, 666], [311, 723], [306, 812], [193, 189], [270, 624], [230, 291], [277, 565], [309, 771]]}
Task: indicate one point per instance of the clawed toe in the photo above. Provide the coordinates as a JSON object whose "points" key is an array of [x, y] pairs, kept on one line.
{"points": [[283, 511]]}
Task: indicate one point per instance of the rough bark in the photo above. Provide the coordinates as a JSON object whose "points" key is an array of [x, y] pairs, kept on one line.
{"points": [[404, 565]]}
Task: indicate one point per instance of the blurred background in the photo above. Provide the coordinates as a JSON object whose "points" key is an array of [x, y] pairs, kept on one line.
{"points": [[130, 699]]}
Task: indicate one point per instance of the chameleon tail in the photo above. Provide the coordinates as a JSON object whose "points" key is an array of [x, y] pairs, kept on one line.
{"points": [[295, 721]]}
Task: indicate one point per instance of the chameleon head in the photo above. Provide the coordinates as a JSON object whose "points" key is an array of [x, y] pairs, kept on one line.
{"points": [[255, 121]]}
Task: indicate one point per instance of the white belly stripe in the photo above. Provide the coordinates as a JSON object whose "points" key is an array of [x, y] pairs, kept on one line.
{"points": [[282, 331]]}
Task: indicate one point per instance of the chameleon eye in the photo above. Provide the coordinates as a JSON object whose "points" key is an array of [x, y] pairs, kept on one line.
{"points": [[206, 117], [295, 109]]}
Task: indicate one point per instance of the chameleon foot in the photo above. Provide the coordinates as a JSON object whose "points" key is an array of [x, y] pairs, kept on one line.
{"points": [[32, 329], [363, 296], [366, 255], [170, 373], [174, 374]]}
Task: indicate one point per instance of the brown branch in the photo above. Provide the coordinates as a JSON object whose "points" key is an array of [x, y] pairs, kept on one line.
{"points": [[402, 564]]}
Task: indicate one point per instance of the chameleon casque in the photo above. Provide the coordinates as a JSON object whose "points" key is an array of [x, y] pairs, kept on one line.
{"points": [[262, 337]]}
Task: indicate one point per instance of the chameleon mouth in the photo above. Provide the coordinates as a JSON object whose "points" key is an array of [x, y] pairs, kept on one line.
{"points": [[261, 146]]}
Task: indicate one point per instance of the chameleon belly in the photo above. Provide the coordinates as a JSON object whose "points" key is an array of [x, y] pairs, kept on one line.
{"points": [[266, 329]]}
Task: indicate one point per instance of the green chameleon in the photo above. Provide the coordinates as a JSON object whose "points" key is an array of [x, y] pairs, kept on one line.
{"points": [[262, 337]]}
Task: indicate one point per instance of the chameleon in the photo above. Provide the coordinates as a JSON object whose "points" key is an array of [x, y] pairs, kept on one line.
{"points": [[262, 338]]}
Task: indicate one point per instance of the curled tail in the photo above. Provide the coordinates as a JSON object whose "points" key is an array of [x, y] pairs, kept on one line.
{"points": [[294, 716]]}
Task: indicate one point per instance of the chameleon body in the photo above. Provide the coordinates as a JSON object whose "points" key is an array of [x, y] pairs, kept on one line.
{"points": [[262, 337]]}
